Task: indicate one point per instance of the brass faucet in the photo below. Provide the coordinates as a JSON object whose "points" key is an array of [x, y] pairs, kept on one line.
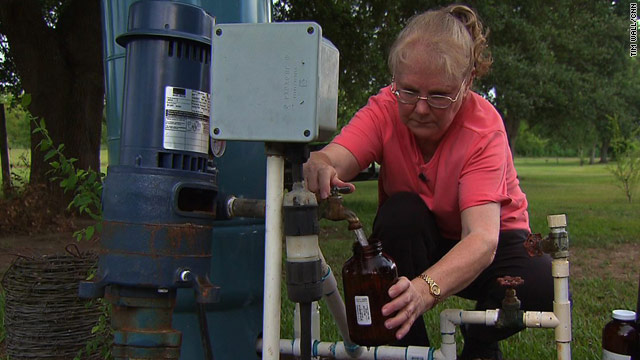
{"points": [[333, 209]]}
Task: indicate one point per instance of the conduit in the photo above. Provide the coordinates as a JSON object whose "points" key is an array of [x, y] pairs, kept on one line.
{"points": [[336, 306]]}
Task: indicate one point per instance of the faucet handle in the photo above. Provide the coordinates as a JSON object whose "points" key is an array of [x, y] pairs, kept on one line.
{"points": [[510, 281], [335, 190], [532, 244]]}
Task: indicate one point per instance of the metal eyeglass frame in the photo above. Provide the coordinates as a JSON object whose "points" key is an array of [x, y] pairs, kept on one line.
{"points": [[396, 92]]}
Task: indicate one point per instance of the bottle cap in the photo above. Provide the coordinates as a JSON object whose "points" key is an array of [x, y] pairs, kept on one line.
{"points": [[624, 315]]}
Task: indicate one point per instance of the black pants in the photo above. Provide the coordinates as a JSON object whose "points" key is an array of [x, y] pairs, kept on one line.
{"points": [[409, 234]]}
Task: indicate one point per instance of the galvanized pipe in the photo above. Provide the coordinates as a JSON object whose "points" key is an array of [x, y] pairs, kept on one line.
{"points": [[273, 253]]}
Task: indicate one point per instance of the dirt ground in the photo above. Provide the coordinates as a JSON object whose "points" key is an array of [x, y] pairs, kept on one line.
{"points": [[31, 246]]}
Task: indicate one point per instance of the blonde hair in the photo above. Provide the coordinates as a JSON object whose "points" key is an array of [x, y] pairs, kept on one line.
{"points": [[451, 37]]}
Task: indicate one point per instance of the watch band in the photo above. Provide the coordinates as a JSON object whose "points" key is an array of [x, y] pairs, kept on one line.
{"points": [[434, 288]]}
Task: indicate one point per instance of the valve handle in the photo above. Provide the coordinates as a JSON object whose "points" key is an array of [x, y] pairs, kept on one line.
{"points": [[532, 244], [335, 190], [510, 281]]}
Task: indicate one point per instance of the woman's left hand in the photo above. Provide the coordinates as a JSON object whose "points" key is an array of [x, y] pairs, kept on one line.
{"points": [[411, 299]]}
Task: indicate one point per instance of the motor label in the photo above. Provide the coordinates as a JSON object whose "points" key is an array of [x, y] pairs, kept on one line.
{"points": [[186, 119], [363, 310]]}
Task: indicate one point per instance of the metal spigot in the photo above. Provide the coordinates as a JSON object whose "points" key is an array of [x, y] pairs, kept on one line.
{"points": [[510, 314], [556, 243], [333, 209]]}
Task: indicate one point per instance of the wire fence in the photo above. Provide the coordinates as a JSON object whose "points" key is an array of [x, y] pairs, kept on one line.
{"points": [[44, 318]]}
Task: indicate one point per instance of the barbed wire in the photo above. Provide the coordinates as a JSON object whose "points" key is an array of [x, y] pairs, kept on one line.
{"points": [[44, 318]]}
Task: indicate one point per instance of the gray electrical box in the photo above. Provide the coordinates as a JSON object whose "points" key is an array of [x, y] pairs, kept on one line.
{"points": [[275, 82]]}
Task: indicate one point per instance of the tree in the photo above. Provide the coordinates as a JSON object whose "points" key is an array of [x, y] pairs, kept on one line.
{"points": [[55, 48], [553, 62]]}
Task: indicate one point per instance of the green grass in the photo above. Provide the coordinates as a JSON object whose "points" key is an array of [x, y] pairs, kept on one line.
{"points": [[599, 216], [597, 210]]}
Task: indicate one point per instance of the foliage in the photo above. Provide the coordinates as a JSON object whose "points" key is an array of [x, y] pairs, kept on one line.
{"points": [[561, 66], [86, 185], [17, 121], [530, 144], [104, 339], [626, 170], [626, 150], [43, 53]]}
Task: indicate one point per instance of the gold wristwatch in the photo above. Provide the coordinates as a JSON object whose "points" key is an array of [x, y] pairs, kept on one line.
{"points": [[434, 289]]}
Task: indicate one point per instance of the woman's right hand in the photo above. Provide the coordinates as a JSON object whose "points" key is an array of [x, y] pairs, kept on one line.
{"points": [[320, 174]]}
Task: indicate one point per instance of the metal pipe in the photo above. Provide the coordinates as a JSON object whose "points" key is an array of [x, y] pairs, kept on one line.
{"points": [[204, 332], [273, 253], [249, 208], [305, 331]]}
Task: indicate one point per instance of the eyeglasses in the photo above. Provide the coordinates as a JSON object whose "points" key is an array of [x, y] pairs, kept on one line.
{"points": [[435, 101]]}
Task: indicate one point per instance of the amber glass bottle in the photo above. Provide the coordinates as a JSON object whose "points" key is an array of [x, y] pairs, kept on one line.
{"points": [[367, 277], [637, 356], [619, 337]]}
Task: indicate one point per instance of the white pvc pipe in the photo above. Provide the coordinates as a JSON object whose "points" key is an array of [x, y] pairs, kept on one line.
{"points": [[562, 307], [336, 350], [540, 319], [273, 257], [449, 318], [334, 302]]}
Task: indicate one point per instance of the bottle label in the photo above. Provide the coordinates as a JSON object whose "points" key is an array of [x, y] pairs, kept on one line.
{"points": [[363, 310], [608, 355]]}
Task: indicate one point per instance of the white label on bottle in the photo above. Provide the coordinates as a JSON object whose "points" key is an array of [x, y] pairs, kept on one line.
{"points": [[363, 311], [186, 119], [608, 355]]}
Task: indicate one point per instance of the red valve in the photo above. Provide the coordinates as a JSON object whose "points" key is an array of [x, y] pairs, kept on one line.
{"points": [[532, 244], [510, 281]]}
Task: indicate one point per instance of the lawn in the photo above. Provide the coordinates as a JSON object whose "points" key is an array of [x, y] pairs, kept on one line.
{"points": [[601, 222], [604, 232]]}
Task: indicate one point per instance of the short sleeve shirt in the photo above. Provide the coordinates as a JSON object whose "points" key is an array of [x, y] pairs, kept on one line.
{"points": [[471, 166]]}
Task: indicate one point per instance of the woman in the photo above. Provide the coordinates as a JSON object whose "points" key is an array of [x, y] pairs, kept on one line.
{"points": [[451, 211]]}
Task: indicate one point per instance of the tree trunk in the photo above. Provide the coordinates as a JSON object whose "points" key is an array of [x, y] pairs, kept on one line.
{"points": [[592, 158], [604, 151], [61, 67], [4, 154], [511, 125], [581, 154]]}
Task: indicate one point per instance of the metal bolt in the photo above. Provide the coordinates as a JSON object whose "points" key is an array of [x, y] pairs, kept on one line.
{"points": [[216, 131], [307, 133], [219, 32], [185, 275], [310, 30]]}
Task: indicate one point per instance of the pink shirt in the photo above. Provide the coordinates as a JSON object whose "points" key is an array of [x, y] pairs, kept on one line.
{"points": [[471, 166]]}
